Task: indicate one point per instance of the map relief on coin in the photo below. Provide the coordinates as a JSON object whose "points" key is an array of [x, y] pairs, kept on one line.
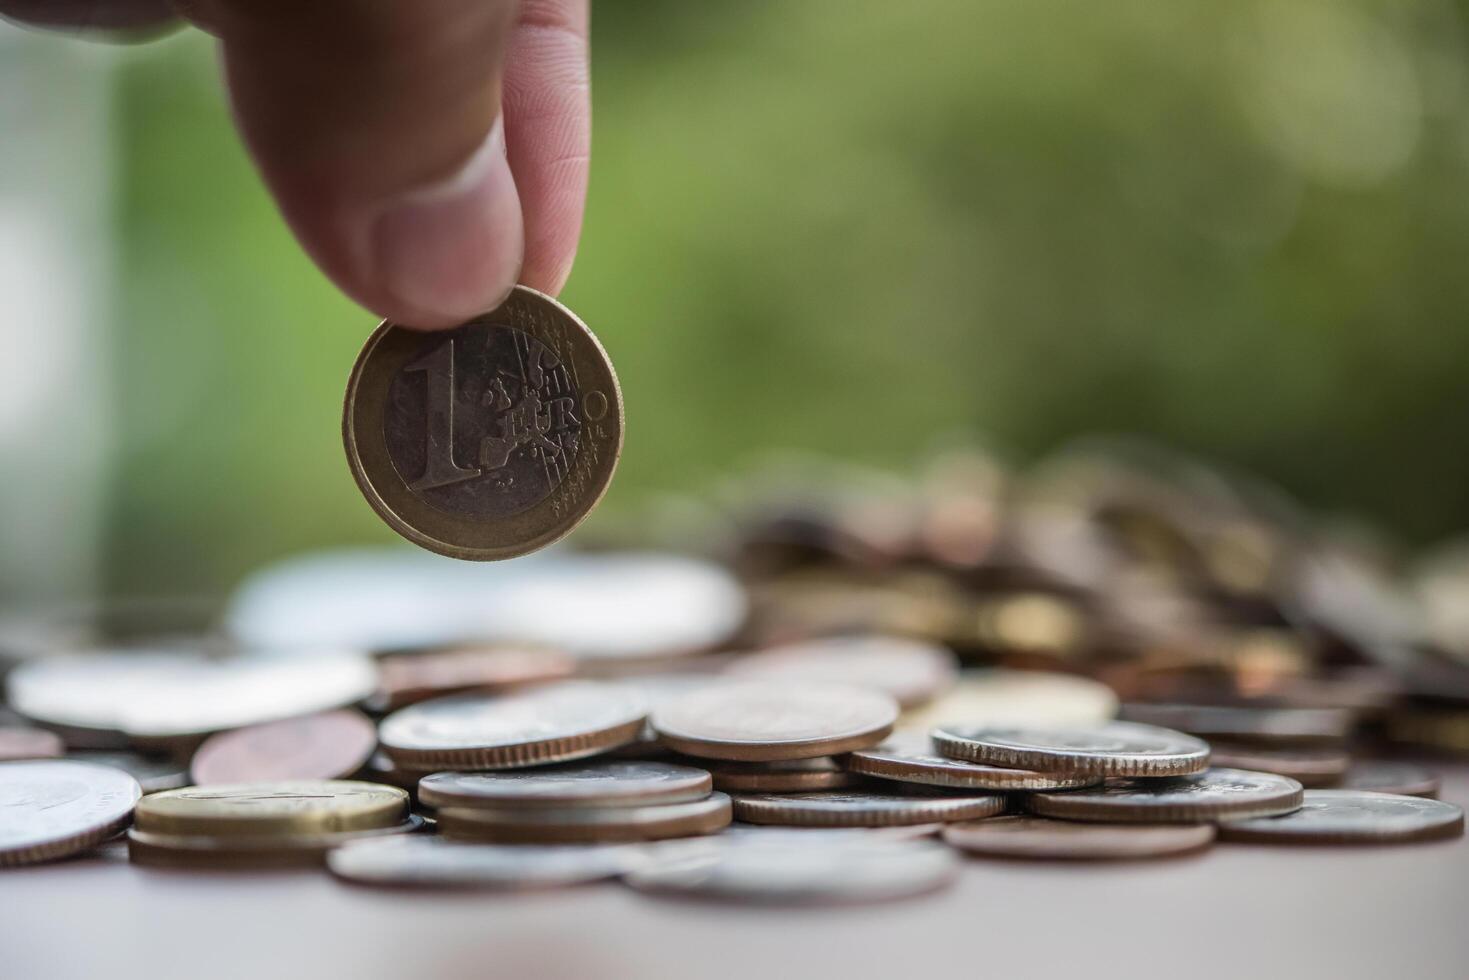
{"points": [[486, 422]]}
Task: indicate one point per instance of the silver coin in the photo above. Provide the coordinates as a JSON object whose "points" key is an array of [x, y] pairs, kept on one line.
{"points": [[553, 723], [594, 784], [434, 861], [759, 722], [805, 871], [163, 695], [1036, 837], [1344, 816], [1114, 749], [1215, 794], [1402, 778], [55, 808], [587, 824], [910, 671], [908, 757], [611, 605], [1272, 725], [852, 808], [153, 773]]}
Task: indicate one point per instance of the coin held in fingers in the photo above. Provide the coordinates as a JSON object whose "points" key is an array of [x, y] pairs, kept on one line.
{"points": [[489, 440]]}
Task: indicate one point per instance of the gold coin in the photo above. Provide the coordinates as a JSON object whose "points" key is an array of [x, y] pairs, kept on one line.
{"points": [[489, 440], [757, 722], [248, 853], [294, 807], [586, 825]]}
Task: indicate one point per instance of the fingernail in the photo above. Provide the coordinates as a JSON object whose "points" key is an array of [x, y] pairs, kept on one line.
{"points": [[453, 249]]}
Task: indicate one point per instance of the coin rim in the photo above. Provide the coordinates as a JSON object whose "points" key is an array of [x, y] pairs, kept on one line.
{"points": [[949, 773], [1089, 806], [771, 809], [1098, 762], [590, 826], [472, 529], [392, 809], [694, 786]]}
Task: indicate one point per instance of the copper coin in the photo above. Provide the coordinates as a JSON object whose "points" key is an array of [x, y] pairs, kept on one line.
{"points": [[330, 745], [1037, 837], [407, 678], [909, 757], [53, 808], [586, 824], [1399, 778], [1348, 816], [1215, 794], [911, 671], [780, 776], [20, 742], [764, 721], [1271, 725], [1113, 749], [855, 808], [423, 861], [858, 868], [250, 853], [153, 773], [1307, 766], [584, 784], [489, 440], [555, 723]]}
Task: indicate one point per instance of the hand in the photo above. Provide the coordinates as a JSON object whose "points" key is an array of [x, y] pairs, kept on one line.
{"points": [[427, 153]]}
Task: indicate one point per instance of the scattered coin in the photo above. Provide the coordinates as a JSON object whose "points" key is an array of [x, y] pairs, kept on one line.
{"points": [[407, 678], [586, 824], [329, 745], [1037, 837], [19, 742], [489, 440], [56, 808], [1270, 725], [863, 809], [911, 671], [162, 695], [780, 775], [908, 757], [1113, 749], [437, 862], [153, 773], [250, 853], [591, 784], [763, 721], [804, 871], [1307, 766], [1215, 794], [1400, 778], [555, 723], [1348, 816], [913, 831], [1006, 698], [288, 808]]}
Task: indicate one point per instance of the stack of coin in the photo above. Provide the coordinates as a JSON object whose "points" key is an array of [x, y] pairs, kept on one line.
{"points": [[579, 803], [263, 825]]}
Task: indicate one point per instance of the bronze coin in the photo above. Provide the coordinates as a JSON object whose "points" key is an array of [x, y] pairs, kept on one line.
{"points": [[913, 672], [1348, 816], [855, 808], [489, 440], [1215, 794], [1307, 766], [555, 723], [584, 784], [329, 745], [763, 721], [1113, 749], [1037, 837], [586, 824], [909, 757], [1285, 726], [780, 775], [407, 678], [20, 742], [1398, 778]]}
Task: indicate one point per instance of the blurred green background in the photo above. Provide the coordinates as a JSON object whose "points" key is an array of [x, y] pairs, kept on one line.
{"points": [[858, 226]]}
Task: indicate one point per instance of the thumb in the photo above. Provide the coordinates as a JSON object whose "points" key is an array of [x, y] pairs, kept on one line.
{"points": [[376, 125]]}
